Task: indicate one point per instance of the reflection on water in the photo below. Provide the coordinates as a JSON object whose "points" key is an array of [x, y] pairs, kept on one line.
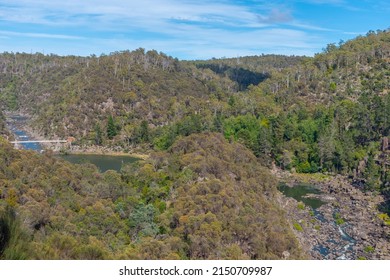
{"points": [[300, 191], [103, 162]]}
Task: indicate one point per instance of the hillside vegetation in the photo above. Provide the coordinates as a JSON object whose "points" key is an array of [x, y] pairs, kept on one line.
{"points": [[76, 96], [212, 128], [202, 199], [327, 113]]}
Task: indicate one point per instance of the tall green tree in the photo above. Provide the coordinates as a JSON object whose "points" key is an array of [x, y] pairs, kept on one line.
{"points": [[144, 131], [112, 131]]}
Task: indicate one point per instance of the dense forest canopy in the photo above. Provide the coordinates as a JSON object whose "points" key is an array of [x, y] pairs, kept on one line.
{"points": [[202, 199], [211, 127], [326, 113]]}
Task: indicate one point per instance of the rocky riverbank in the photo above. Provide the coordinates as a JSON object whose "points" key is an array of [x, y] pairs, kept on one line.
{"points": [[348, 226]]}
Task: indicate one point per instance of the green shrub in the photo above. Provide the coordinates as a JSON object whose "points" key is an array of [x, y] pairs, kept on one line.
{"points": [[338, 219], [14, 242], [298, 227], [332, 86], [369, 249], [385, 218], [301, 206]]}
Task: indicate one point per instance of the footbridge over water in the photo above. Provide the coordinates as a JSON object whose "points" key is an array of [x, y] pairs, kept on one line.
{"points": [[57, 143], [38, 141]]}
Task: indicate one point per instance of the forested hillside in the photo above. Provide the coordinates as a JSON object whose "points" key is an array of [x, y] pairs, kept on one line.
{"points": [[135, 91], [202, 199], [3, 129], [76, 96], [327, 113], [211, 128], [249, 70], [335, 111]]}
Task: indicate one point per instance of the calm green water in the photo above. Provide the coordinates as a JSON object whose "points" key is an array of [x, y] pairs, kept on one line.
{"points": [[298, 192], [103, 162]]}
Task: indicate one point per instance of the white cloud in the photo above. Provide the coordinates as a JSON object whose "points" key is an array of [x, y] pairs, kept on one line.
{"points": [[40, 35], [312, 27], [198, 29], [276, 16], [131, 12]]}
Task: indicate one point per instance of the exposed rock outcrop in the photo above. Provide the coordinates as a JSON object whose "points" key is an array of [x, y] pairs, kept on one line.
{"points": [[346, 227]]}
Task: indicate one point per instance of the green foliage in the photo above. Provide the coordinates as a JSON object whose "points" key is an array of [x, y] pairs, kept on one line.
{"points": [[323, 114], [187, 126], [297, 226], [304, 167], [316, 114], [141, 221], [338, 219], [98, 135], [13, 240], [8, 96], [332, 87], [179, 204], [165, 139], [244, 129], [221, 168], [175, 205], [144, 131], [385, 218], [111, 128], [301, 205], [369, 249]]}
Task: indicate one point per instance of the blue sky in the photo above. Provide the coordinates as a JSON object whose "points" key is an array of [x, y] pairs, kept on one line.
{"points": [[187, 29]]}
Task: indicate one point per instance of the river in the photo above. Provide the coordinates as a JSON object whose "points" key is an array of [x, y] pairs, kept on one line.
{"points": [[335, 242], [300, 193], [16, 124]]}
